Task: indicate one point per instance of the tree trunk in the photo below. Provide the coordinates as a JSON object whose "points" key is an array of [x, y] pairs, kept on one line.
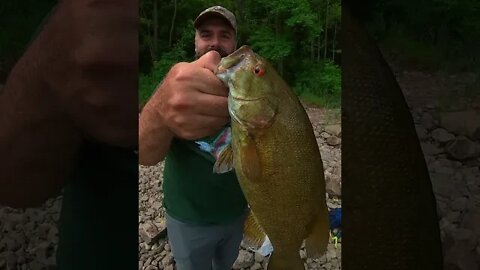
{"points": [[173, 23], [278, 32], [312, 50], [240, 20], [333, 41], [319, 45], [326, 32], [155, 30]]}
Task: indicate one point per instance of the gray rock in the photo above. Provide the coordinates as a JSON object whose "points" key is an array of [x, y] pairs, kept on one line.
{"points": [[427, 121], [471, 221], [325, 135], [331, 252], [157, 205], [335, 129], [150, 233], [442, 136], [11, 259], [333, 185], [151, 267], [303, 254], [459, 204], [461, 122], [442, 184], [465, 237], [441, 166], [461, 148], [167, 247], [453, 217], [430, 149], [421, 132], [148, 262], [35, 265], [169, 267], [168, 259], [33, 214], [43, 251], [259, 258], [256, 266], [461, 258], [333, 141], [245, 259]]}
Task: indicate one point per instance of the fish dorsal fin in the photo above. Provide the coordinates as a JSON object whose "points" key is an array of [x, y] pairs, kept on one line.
{"points": [[224, 161], [253, 232], [250, 160]]}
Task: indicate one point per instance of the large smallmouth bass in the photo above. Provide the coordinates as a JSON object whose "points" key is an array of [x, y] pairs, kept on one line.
{"points": [[276, 159]]}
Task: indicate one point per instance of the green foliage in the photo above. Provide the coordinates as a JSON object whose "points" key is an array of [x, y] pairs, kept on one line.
{"points": [[285, 32], [320, 83], [149, 82], [267, 45]]}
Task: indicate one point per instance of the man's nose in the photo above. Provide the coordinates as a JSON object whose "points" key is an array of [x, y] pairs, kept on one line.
{"points": [[215, 42]]}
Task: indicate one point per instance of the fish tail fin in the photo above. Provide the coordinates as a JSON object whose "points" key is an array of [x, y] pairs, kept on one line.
{"points": [[285, 262], [253, 232], [317, 241]]}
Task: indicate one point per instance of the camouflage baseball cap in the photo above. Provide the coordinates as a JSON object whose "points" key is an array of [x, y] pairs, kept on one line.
{"points": [[216, 11]]}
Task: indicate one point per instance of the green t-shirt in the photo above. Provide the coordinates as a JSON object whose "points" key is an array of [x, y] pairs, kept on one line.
{"points": [[193, 193], [99, 218]]}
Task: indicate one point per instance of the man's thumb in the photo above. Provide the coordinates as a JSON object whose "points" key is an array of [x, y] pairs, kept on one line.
{"points": [[209, 60]]}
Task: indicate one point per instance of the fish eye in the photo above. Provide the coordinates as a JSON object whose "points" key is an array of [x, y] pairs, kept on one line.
{"points": [[258, 70]]}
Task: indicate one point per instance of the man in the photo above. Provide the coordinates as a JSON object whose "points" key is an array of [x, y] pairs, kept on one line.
{"points": [[205, 211], [68, 117]]}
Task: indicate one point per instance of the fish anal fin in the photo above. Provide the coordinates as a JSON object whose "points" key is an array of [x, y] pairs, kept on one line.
{"points": [[224, 161], [317, 241], [253, 234]]}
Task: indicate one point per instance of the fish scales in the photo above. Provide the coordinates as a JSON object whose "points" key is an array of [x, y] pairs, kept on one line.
{"points": [[390, 219]]}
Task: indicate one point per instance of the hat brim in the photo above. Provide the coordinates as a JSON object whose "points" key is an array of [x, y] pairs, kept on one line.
{"points": [[211, 14]]}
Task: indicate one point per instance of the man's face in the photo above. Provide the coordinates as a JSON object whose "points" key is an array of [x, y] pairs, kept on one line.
{"points": [[214, 34]]}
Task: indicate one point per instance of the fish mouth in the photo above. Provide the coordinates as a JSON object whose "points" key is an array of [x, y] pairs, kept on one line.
{"points": [[229, 64], [245, 99]]}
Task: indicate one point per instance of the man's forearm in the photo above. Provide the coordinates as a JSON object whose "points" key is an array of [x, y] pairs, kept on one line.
{"points": [[154, 138]]}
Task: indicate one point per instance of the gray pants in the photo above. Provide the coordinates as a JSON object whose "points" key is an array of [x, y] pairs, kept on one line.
{"points": [[204, 247]]}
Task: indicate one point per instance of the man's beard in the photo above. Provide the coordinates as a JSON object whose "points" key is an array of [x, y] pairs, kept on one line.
{"points": [[219, 50]]}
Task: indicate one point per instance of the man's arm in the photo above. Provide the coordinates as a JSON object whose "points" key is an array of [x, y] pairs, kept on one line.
{"points": [[76, 80], [190, 103]]}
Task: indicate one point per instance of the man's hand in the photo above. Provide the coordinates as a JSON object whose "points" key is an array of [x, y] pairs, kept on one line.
{"points": [[191, 103]]}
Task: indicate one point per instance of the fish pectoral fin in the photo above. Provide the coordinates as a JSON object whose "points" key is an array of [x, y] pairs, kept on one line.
{"points": [[317, 241], [250, 160], [253, 234], [224, 161]]}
